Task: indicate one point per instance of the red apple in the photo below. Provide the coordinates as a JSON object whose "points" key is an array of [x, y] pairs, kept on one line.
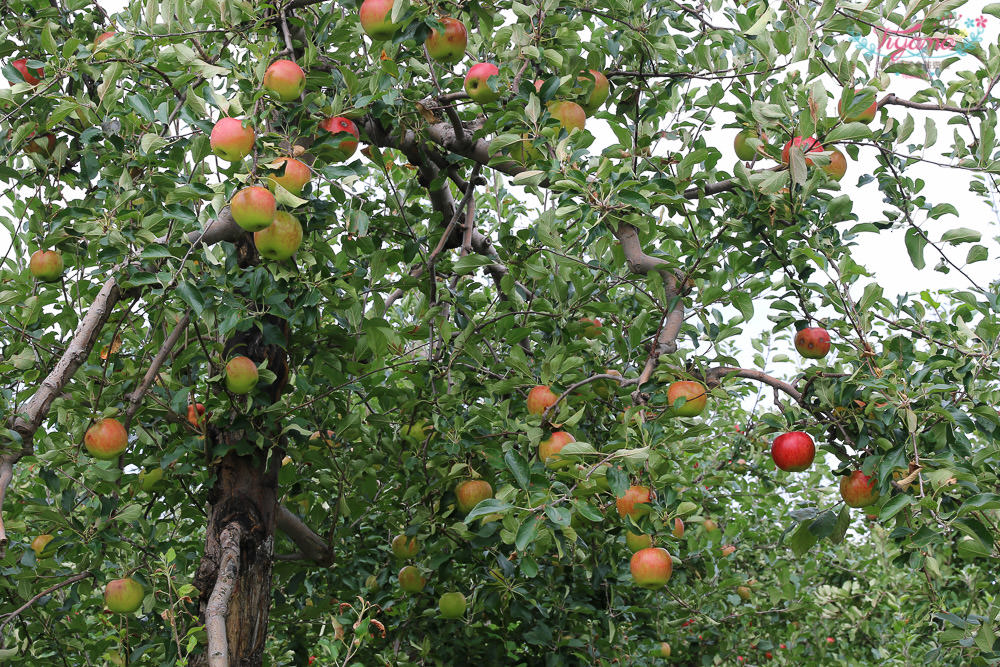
{"points": [[678, 528], [404, 547], [605, 388], [793, 451], [637, 541], [411, 580], [829, 640], [195, 414], [376, 20], [651, 567], [858, 489], [540, 398], [694, 395], [727, 550], [46, 265], [341, 125], [470, 493], [548, 449], [285, 80], [21, 65], [477, 83], [123, 596], [253, 208], [106, 439], [452, 605], [241, 375], [865, 115], [838, 165], [592, 328], [635, 502], [808, 145], [290, 174], [743, 150], [598, 94], [230, 140], [281, 239], [812, 342], [569, 114], [448, 46]]}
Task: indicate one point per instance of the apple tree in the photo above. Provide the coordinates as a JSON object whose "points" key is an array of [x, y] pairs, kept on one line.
{"points": [[386, 332]]}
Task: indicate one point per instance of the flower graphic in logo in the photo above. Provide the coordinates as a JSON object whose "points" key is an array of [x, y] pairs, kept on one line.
{"points": [[922, 41]]}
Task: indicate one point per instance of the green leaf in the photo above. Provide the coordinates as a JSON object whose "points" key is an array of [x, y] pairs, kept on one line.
{"points": [[192, 297], [961, 235], [977, 253], [848, 131], [527, 532], [518, 467], [915, 244], [891, 508], [488, 506], [982, 501], [802, 540]]}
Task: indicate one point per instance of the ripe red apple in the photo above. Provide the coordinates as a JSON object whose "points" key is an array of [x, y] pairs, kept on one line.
{"points": [[539, 398], [743, 150], [635, 502], [838, 165], [230, 140], [793, 451], [46, 265], [281, 239], [859, 489], [452, 605], [21, 65], [448, 46], [866, 115], [241, 375], [812, 342], [123, 596], [253, 208], [376, 20], [290, 174], [569, 114], [39, 543], [651, 567], [411, 580], [678, 530], [548, 449], [829, 640], [285, 80], [637, 541], [106, 439], [341, 125], [195, 414], [476, 83], [694, 395], [404, 547], [727, 550], [598, 94], [592, 328], [808, 145], [470, 493]]}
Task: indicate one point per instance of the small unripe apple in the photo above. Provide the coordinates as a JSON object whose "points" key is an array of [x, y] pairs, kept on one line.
{"points": [[411, 580], [549, 448], [743, 149], [106, 439], [865, 115], [46, 265], [859, 489], [637, 541], [592, 328], [743, 592], [448, 46], [793, 451], [477, 83], [285, 80], [416, 432], [812, 342], [230, 140], [241, 375], [694, 394], [21, 65], [635, 502], [452, 605], [341, 125], [281, 239], [678, 530], [651, 567], [808, 145], [253, 208], [123, 596], [598, 94], [569, 114], [375, 16], [39, 543], [404, 547], [539, 398], [290, 174], [470, 493]]}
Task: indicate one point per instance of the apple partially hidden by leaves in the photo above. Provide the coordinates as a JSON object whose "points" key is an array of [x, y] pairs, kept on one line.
{"points": [[637, 541], [549, 448], [859, 489], [39, 543], [598, 93], [569, 114], [539, 398], [447, 45], [346, 128], [375, 17], [477, 83], [404, 547], [289, 173], [285, 80], [635, 502], [694, 394], [411, 580], [46, 265], [470, 493], [281, 239]]}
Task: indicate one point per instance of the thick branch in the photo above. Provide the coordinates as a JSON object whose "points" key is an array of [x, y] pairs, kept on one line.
{"points": [[62, 584], [310, 544], [154, 368], [6, 475], [714, 377], [218, 603]]}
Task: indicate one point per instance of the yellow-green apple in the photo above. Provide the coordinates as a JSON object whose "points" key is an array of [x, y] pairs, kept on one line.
{"points": [[859, 489], [253, 208], [411, 580], [807, 145], [598, 94], [838, 165], [549, 448], [470, 493], [709, 525], [664, 650], [539, 398], [280, 239], [21, 65], [694, 395], [376, 19], [854, 113], [290, 174], [635, 502], [447, 46], [404, 547], [743, 592], [678, 530], [241, 375], [477, 83], [39, 543], [637, 541], [46, 265], [452, 605], [651, 567], [230, 140], [569, 114], [743, 149], [592, 328], [727, 550], [285, 80], [123, 596], [812, 342], [343, 126], [148, 479], [793, 451], [106, 439]]}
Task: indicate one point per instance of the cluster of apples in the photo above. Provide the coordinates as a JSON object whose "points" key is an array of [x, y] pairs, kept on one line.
{"points": [[837, 166], [412, 580]]}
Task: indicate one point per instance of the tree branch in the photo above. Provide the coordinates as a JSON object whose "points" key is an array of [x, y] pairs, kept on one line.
{"points": [[6, 475], [714, 377], [310, 544], [136, 396], [218, 602], [62, 584]]}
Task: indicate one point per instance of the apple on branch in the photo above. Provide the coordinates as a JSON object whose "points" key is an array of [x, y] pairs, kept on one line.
{"points": [[46, 265], [447, 45], [793, 451], [285, 80], [281, 239], [230, 140], [651, 567]]}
